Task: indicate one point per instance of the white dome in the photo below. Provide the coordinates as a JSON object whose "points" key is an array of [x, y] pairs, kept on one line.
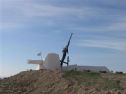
{"points": [[52, 61]]}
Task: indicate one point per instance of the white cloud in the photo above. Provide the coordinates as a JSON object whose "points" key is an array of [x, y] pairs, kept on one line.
{"points": [[27, 10], [51, 10], [9, 26], [19, 11], [110, 44], [119, 25]]}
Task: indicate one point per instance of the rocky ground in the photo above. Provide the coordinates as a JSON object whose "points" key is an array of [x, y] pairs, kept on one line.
{"points": [[56, 82]]}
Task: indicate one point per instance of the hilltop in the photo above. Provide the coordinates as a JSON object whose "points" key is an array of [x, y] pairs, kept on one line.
{"points": [[70, 82]]}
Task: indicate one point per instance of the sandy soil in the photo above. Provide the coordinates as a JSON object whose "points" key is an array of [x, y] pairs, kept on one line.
{"points": [[53, 82]]}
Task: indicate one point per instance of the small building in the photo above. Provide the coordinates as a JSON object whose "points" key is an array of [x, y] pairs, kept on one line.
{"points": [[51, 62], [86, 68]]}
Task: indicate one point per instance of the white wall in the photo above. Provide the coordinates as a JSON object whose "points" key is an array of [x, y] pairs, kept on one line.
{"points": [[52, 61]]}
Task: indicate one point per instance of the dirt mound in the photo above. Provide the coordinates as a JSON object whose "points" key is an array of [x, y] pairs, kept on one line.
{"points": [[52, 82]]}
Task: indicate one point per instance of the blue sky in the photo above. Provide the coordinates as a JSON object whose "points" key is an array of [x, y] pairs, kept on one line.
{"points": [[30, 26]]}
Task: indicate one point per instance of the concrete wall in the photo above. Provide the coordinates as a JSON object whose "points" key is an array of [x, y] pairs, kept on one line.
{"points": [[35, 61]]}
